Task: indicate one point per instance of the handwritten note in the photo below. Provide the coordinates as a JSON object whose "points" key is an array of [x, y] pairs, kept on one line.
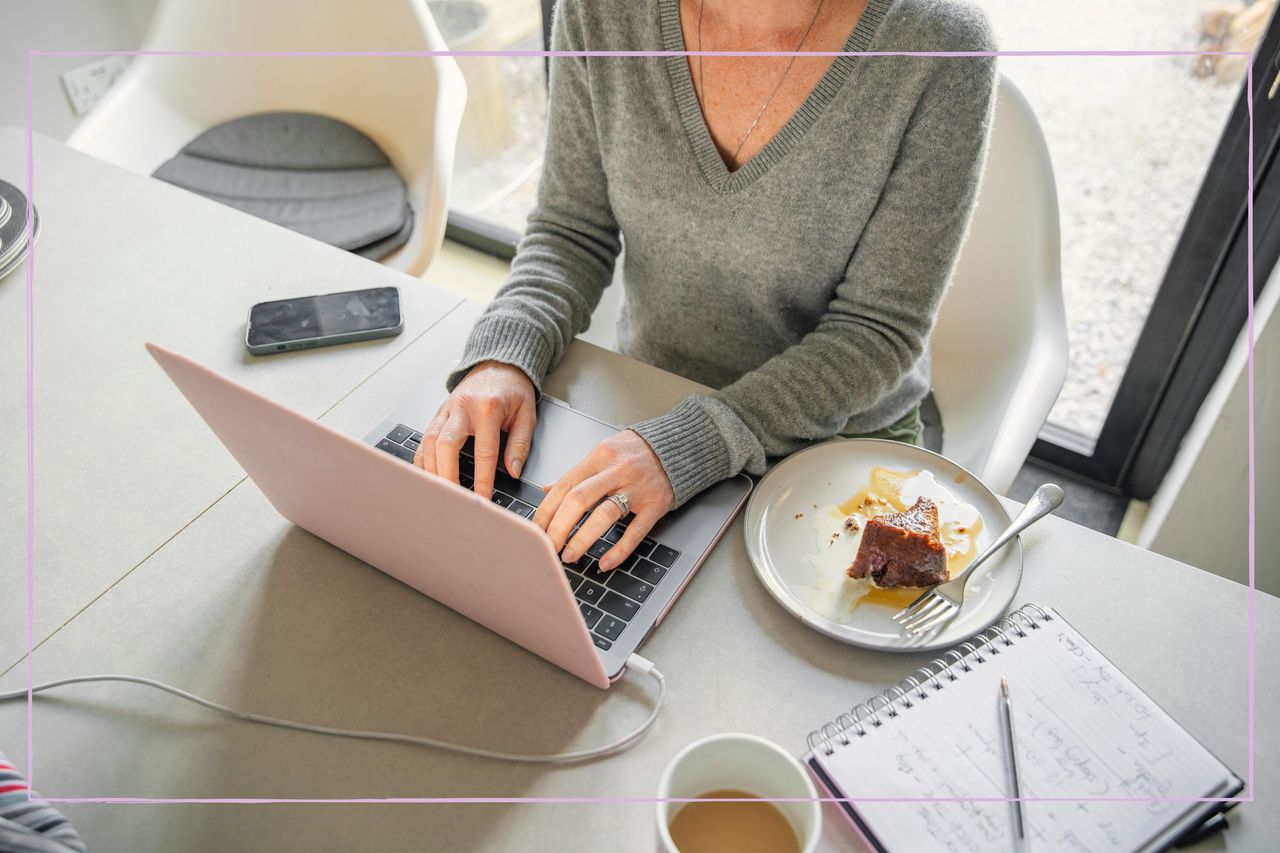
{"points": [[1106, 769]]}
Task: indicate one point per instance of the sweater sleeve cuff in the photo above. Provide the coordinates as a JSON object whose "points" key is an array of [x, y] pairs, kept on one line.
{"points": [[510, 340], [690, 447]]}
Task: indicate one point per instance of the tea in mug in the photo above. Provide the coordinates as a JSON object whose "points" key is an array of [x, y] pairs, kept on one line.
{"points": [[752, 827]]}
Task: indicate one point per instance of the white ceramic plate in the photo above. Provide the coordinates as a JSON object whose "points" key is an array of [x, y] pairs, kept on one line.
{"points": [[13, 257], [781, 546]]}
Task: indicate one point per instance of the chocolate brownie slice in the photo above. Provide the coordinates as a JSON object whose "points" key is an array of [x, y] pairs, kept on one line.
{"points": [[902, 548]]}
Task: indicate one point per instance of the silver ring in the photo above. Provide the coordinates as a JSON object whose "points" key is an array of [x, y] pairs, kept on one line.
{"points": [[620, 501]]}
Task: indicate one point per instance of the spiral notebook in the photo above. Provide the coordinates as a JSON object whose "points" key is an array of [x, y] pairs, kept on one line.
{"points": [[1085, 734]]}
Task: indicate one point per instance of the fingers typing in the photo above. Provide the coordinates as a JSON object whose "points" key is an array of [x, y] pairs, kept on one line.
{"points": [[594, 528], [577, 501], [425, 456], [520, 438], [449, 443], [639, 528], [487, 434]]}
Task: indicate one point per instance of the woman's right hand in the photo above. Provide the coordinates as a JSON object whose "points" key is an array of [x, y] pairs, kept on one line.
{"points": [[492, 397]]}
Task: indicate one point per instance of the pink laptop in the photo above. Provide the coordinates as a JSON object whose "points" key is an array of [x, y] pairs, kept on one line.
{"points": [[482, 558]]}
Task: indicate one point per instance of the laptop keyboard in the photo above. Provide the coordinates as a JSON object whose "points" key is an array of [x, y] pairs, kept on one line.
{"points": [[608, 600]]}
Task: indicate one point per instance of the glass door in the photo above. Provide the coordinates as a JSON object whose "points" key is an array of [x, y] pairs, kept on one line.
{"points": [[1150, 154]]}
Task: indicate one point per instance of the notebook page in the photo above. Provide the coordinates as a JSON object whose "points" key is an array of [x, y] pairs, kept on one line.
{"points": [[1082, 730]]}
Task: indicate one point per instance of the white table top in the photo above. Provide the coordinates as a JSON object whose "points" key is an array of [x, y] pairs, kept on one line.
{"points": [[155, 557]]}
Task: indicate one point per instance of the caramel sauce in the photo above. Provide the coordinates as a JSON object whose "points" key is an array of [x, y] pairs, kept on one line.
{"points": [[883, 496], [897, 598]]}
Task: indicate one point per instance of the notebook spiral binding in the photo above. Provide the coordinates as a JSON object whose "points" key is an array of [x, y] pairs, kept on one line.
{"points": [[898, 698]]}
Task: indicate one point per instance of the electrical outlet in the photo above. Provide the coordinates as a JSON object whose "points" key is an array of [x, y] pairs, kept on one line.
{"points": [[86, 84]]}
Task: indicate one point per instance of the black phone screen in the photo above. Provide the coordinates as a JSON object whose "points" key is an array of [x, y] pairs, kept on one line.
{"points": [[324, 316]]}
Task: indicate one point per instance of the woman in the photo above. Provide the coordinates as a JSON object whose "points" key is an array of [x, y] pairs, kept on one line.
{"points": [[790, 226]]}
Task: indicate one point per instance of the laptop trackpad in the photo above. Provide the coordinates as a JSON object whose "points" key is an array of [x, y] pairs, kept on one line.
{"points": [[560, 440]]}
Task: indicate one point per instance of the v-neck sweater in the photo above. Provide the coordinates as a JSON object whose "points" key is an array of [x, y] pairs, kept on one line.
{"points": [[802, 287]]}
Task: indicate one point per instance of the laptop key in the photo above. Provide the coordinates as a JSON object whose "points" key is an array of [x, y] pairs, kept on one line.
{"points": [[648, 571], [593, 573], [522, 508], [645, 548], [400, 433], [411, 444], [589, 592], [601, 643], [590, 614], [598, 549], [629, 586], [417, 436], [502, 500], [574, 580], [466, 480], [582, 564], [610, 627], [664, 556], [624, 608], [615, 533], [396, 450]]}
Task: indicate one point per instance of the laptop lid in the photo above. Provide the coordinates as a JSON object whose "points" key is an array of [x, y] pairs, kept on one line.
{"points": [[472, 556]]}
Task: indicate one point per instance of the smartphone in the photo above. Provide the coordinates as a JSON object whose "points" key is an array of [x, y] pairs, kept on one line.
{"points": [[319, 321]]}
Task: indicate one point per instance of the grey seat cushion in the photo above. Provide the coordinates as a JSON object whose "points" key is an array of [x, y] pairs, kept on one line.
{"points": [[310, 173]]}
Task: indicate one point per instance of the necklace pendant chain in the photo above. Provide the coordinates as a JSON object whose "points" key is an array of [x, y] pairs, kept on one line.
{"points": [[777, 86]]}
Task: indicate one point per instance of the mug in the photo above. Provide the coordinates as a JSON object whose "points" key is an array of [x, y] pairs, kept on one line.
{"points": [[746, 763]]}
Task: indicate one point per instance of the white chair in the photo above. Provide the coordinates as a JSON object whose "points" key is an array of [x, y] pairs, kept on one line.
{"points": [[409, 105], [1000, 344]]}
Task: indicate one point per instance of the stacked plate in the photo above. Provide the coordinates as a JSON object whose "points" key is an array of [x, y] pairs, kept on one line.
{"points": [[13, 228]]}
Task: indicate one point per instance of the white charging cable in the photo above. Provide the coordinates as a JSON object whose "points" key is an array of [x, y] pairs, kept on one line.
{"points": [[634, 662]]}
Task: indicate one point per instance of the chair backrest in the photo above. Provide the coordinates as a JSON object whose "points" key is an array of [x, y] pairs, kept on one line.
{"points": [[1000, 344], [409, 105]]}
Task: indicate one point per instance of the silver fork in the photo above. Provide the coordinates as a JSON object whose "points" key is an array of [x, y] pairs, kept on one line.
{"points": [[940, 604]]}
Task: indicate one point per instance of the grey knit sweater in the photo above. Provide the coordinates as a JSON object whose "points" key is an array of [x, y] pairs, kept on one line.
{"points": [[803, 286]]}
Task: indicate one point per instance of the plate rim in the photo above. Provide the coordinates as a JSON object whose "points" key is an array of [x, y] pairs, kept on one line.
{"points": [[20, 255], [786, 599]]}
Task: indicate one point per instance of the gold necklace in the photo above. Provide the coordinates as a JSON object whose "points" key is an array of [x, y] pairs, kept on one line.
{"points": [[702, 86]]}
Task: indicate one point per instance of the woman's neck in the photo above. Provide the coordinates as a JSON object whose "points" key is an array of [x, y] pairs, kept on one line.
{"points": [[760, 15]]}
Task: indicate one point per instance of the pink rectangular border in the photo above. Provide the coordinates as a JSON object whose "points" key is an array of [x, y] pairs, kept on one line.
{"points": [[31, 428]]}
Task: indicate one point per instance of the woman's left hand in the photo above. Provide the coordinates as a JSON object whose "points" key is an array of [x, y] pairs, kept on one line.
{"points": [[621, 464]]}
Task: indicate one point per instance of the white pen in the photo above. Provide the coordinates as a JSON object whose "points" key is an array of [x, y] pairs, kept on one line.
{"points": [[1011, 756]]}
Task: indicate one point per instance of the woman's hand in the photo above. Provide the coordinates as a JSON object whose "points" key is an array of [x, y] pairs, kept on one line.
{"points": [[492, 397], [621, 464]]}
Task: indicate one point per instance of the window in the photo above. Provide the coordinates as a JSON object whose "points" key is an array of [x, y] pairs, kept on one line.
{"points": [[1151, 158], [1130, 139], [500, 142]]}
